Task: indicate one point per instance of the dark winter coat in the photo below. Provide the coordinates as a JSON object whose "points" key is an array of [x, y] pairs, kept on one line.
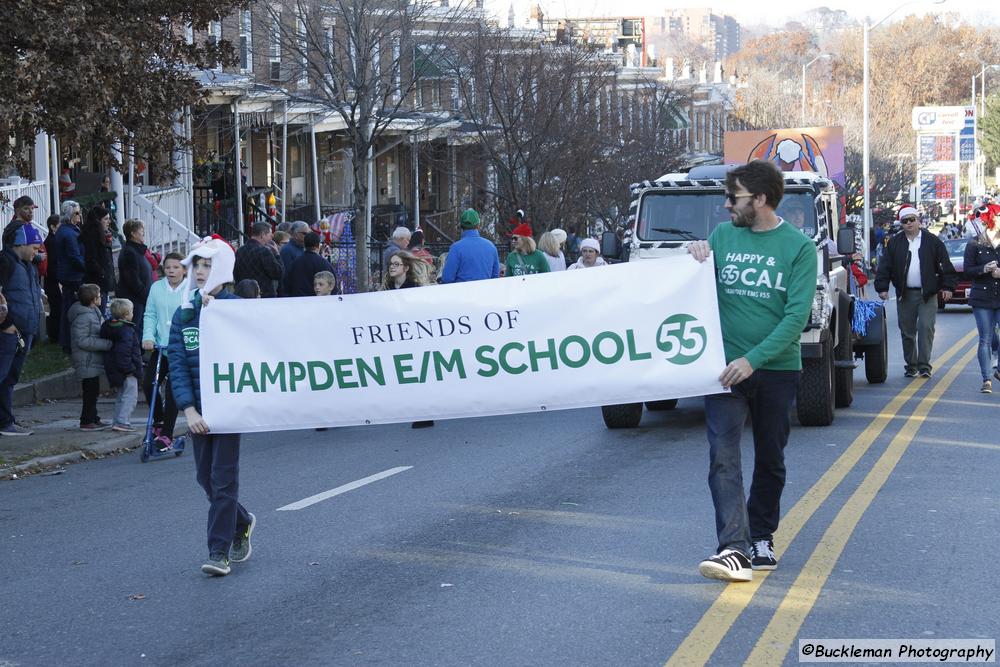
{"points": [[936, 270], [299, 279], [135, 274], [69, 254], [258, 262], [98, 258], [183, 353], [19, 280], [125, 356], [985, 292]]}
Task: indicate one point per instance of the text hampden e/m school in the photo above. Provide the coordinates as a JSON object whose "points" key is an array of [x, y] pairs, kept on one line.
{"points": [[356, 372]]}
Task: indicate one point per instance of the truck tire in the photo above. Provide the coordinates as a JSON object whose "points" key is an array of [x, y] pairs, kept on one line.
{"points": [[877, 359], [659, 406], [815, 397], [844, 377], [627, 415]]}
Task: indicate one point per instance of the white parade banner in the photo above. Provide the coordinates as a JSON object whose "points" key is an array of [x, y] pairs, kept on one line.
{"points": [[615, 334]]}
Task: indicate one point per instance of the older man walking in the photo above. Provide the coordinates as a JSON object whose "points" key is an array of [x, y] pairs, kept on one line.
{"points": [[917, 264]]}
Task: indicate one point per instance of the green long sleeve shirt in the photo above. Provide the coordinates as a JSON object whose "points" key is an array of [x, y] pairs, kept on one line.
{"points": [[765, 283]]}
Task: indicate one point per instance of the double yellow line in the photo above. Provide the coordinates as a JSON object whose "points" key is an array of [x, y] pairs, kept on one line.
{"points": [[775, 641]]}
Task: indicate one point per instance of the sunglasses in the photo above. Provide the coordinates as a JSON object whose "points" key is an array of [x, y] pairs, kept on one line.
{"points": [[731, 198], [905, 220]]}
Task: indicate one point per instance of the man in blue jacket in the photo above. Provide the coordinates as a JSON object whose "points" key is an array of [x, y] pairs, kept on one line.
{"points": [[19, 281], [70, 264], [217, 456], [471, 257]]}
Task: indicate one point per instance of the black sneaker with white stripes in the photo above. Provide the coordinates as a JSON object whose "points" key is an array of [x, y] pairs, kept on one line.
{"points": [[727, 565], [762, 553]]}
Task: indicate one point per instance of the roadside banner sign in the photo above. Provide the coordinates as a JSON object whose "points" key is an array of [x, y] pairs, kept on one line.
{"points": [[613, 334]]}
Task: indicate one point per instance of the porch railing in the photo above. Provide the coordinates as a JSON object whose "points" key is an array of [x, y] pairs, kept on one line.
{"points": [[39, 193], [164, 231]]}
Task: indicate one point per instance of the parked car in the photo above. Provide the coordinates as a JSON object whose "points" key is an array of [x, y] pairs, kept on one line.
{"points": [[956, 253]]}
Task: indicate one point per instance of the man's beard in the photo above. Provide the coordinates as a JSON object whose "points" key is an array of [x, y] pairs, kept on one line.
{"points": [[745, 218]]}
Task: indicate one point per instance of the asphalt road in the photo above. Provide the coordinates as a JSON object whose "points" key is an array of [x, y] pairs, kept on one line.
{"points": [[524, 540]]}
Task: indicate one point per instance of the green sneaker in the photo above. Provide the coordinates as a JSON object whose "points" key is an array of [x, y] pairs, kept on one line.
{"points": [[241, 548], [217, 565]]}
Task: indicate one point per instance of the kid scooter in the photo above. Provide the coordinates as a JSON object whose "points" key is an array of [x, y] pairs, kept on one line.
{"points": [[149, 444]]}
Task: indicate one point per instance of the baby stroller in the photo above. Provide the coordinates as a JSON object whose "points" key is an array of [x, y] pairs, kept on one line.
{"points": [[150, 447]]}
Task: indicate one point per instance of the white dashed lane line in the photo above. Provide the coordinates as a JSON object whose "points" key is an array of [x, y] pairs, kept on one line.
{"points": [[325, 495]]}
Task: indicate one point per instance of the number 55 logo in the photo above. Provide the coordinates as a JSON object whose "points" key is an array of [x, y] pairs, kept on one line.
{"points": [[681, 338]]}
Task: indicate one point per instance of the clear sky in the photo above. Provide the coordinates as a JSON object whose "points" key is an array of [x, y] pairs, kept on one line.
{"points": [[777, 12]]}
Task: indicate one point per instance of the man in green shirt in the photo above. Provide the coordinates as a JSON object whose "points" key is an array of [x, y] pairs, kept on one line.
{"points": [[765, 274]]}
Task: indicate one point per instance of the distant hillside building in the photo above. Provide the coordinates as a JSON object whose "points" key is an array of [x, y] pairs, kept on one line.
{"points": [[718, 34]]}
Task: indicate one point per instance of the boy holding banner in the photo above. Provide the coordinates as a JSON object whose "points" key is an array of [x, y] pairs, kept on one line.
{"points": [[217, 456], [765, 280]]}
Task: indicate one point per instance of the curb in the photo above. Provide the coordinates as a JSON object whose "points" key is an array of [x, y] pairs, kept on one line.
{"points": [[110, 446], [64, 384]]}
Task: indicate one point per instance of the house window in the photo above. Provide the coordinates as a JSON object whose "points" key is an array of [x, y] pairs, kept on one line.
{"points": [[274, 51], [246, 42], [214, 37], [303, 46], [396, 85], [329, 64]]}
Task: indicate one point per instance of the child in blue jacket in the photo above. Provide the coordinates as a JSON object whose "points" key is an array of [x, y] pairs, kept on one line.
{"points": [[217, 456], [123, 362]]}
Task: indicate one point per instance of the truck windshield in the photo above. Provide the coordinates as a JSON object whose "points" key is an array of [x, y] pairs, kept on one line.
{"points": [[687, 216], [682, 216], [799, 209]]}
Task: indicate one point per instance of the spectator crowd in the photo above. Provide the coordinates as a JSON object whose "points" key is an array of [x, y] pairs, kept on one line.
{"points": [[112, 315]]}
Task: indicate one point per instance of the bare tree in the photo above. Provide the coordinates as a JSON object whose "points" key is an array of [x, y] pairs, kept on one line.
{"points": [[535, 108], [364, 61], [644, 148]]}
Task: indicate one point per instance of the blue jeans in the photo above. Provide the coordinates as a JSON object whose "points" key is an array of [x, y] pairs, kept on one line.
{"points": [[11, 363], [987, 319], [766, 397], [217, 458]]}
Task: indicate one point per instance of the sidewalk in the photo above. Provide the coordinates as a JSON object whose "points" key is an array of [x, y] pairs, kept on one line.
{"points": [[57, 438]]}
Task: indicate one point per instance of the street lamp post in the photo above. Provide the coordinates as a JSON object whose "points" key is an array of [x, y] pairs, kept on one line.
{"points": [[976, 180], [866, 176], [804, 67]]}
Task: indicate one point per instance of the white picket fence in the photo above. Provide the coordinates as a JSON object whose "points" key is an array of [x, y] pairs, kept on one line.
{"points": [[168, 217], [39, 193]]}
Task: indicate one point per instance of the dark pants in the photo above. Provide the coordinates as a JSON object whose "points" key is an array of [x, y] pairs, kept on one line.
{"points": [[69, 291], [91, 390], [54, 320], [11, 363], [766, 397], [164, 407], [916, 318], [218, 461]]}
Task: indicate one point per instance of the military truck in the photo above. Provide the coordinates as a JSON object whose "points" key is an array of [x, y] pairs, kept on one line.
{"points": [[676, 209]]}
